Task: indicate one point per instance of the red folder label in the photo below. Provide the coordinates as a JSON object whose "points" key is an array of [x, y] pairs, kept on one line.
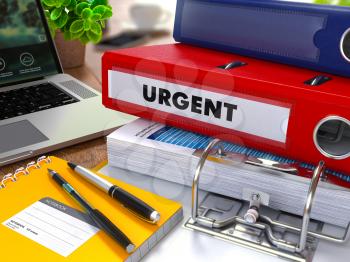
{"points": [[251, 116]]}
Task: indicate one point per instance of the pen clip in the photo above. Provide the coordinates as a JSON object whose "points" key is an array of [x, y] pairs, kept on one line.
{"points": [[139, 216]]}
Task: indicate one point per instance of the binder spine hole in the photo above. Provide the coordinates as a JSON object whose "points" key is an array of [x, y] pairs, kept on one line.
{"points": [[332, 137], [345, 45]]}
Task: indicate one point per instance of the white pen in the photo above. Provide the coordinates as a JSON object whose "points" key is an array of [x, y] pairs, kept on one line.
{"points": [[128, 200]]}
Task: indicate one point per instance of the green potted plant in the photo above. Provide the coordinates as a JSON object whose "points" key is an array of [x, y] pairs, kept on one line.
{"points": [[73, 24], [333, 2]]}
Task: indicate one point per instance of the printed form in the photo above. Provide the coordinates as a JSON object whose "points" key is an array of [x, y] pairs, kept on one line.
{"points": [[53, 225]]}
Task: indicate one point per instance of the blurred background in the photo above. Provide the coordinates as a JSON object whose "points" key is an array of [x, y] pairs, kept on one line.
{"points": [[134, 23]]}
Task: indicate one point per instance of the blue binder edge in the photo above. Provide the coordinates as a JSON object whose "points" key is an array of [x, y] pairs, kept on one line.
{"points": [[338, 68]]}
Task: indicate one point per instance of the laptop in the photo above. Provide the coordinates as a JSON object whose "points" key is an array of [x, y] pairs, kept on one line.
{"points": [[41, 108]]}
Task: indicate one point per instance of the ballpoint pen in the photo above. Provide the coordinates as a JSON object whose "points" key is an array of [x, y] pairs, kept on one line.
{"points": [[101, 220], [128, 200]]}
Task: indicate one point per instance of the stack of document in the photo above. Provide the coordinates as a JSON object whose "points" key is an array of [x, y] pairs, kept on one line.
{"points": [[170, 153]]}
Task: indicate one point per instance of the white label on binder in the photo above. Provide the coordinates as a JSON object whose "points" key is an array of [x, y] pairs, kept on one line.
{"points": [[254, 117], [53, 225]]}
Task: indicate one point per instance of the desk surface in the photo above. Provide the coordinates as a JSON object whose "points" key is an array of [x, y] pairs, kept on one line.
{"points": [[89, 153]]}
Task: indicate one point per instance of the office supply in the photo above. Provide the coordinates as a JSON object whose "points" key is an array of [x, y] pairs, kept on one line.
{"points": [[259, 104], [33, 89], [36, 184], [302, 34], [172, 154], [302, 250], [129, 201], [53, 225], [100, 219], [191, 245]]}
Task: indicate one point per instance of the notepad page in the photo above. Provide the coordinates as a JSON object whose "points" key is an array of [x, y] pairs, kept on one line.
{"points": [[29, 189], [53, 225]]}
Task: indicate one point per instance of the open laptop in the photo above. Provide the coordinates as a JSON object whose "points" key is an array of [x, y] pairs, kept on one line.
{"points": [[41, 109]]}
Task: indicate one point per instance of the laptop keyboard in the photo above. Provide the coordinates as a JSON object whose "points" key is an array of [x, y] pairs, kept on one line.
{"points": [[32, 99]]}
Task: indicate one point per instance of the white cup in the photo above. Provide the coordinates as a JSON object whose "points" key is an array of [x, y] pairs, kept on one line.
{"points": [[148, 16]]}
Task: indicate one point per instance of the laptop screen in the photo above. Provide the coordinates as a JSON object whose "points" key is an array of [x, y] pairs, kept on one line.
{"points": [[26, 51]]}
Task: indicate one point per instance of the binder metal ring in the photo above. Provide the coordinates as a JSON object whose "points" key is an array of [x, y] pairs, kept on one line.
{"points": [[199, 168], [211, 226], [343, 52]]}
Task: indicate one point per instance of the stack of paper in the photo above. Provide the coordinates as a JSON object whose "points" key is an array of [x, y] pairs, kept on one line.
{"points": [[168, 153]]}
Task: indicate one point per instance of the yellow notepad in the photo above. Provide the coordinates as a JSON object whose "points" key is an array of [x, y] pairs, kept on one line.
{"points": [[38, 221]]}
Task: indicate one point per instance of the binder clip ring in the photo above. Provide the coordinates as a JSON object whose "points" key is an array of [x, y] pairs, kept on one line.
{"points": [[300, 250]]}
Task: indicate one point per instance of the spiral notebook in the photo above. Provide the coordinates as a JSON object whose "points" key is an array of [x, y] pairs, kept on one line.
{"points": [[39, 221]]}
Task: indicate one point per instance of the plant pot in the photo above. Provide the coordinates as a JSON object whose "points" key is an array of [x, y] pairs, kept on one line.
{"points": [[71, 53]]}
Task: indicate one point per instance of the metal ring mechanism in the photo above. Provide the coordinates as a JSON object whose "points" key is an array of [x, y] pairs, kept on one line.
{"points": [[256, 220]]}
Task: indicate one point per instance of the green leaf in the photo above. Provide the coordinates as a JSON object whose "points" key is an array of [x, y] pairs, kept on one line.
{"points": [[62, 20], [87, 25], [96, 28], [77, 26], [344, 2], [59, 3], [66, 2], [84, 38], [107, 14], [103, 24], [68, 24], [87, 12], [100, 9], [67, 35], [95, 3], [56, 13], [323, 2], [47, 14], [95, 17], [79, 19], [46, 7], [77, 35], [73, 15], [80, 7], [104, 11], [72, 5], [49, 2], [95, 38]]}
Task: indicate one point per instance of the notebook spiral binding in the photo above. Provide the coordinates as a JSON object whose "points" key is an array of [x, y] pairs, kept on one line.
{"points": [[13, 177]]}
